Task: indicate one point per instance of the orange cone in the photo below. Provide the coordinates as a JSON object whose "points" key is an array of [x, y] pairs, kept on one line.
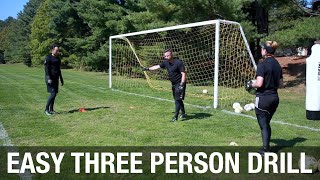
{"points": [[82, 110]]}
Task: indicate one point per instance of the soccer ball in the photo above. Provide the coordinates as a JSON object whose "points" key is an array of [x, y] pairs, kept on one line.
{"points": [[204, 91], [235, 105], [247, 107], [310, 163], [233, 144], [238, 110], [252, 106]]}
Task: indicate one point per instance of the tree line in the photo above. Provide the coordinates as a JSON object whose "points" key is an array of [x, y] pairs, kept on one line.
{"points": [[82, 27]]}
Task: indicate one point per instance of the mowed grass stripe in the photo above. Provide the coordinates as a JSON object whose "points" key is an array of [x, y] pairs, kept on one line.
{"points": [[120, 119]]}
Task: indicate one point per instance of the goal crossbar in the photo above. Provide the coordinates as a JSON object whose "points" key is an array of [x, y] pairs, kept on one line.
{"points": [[191, 25]]}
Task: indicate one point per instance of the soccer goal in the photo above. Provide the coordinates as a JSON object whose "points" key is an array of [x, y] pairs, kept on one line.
{"points": [[216, 54]]}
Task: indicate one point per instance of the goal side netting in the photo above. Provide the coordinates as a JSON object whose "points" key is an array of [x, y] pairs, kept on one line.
{"points": [[216, 55]]}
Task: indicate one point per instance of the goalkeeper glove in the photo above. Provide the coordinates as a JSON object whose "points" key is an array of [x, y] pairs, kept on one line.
{"points": [[248, 85], [49, 82], [181, 87], [62, 82], [145, 69]]}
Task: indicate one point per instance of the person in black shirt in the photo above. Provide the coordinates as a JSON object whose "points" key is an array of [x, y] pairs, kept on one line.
{"points": [[177, 76], [52, 75], [268, 79]]}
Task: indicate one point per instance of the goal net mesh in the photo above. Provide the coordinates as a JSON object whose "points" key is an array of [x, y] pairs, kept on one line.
{"points": [[194, 46]]}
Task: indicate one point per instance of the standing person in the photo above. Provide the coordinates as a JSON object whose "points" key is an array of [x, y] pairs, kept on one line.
{"points": [[177, 76], [268, 79], [52, 75]]}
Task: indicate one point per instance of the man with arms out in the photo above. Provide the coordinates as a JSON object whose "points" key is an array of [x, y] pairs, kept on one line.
{"points": [[52, 74], [177, 76]]}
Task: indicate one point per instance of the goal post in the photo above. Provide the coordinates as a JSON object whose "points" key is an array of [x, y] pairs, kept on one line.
{"points": [[216, 54]]}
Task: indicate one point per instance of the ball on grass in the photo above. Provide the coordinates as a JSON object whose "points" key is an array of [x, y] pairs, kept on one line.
{"points": [[204, 91], [233, 144], [235, 105], [247, 107], [238, 110], [252, 105], [310, 163]]}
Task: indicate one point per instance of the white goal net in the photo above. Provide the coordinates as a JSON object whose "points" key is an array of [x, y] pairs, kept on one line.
{"points": [[216, 55]]}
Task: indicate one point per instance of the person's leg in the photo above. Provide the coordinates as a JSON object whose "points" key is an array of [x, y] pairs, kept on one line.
{"points": [[182, 107], [177, 108], [54, 95], [264, 123], [183, 112], [50, 101]]}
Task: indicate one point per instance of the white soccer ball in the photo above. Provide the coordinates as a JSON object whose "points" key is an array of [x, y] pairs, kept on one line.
{"points": [[235, 105], [238, 110], [233, 144], [204, 91], [252, 105], [247, 107], [310, 163]]}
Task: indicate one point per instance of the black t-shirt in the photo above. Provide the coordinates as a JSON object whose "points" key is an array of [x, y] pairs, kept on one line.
{"points": [[52, 67], [174, 69], [271, 72]]}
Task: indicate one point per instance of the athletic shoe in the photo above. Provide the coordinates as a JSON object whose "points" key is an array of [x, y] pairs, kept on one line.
{"points": [[47, 113], [263, 150], [183, 116], [174, 119], [54, 112]]}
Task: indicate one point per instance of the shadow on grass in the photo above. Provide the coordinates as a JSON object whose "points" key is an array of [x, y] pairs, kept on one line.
{"points": [[282, 143], [197, 116], [86, 109]]}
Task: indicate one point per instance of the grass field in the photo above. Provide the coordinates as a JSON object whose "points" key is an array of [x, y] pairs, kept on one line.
{"points": [[115, 118]]}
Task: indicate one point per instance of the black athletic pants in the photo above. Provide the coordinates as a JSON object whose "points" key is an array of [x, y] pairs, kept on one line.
{"points": [[50, 101], [266, 106], [178, 99], [179, 106]]}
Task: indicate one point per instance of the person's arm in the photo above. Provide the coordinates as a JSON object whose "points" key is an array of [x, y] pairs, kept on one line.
{"points": [[60, 74], [183, 78], [281, 83], [258, 83], [152, 68], [281, 80], [61, 78], [47, 68]]}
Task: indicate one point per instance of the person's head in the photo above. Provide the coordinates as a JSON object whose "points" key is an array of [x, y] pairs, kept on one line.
{"points": [[168, 54], [54, 50], [269, 48]]}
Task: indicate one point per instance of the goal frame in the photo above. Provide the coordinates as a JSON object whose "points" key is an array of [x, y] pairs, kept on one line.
{"points": [[217, 47]]}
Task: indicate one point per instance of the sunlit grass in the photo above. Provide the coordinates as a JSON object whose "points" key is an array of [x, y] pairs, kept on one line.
{"points": [[117, 118]]}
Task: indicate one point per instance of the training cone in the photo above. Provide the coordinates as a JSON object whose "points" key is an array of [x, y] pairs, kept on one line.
{"points": [[82, 110]]}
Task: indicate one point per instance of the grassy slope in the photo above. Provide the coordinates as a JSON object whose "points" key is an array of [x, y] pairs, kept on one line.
{"points": [[116, 118]]}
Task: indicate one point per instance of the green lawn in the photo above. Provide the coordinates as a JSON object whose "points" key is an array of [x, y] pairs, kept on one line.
{"points": [[116, 118]]}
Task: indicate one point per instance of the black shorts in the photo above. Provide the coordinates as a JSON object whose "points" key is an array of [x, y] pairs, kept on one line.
{"points": [[178, 95], [266, 104], [53, 87]]}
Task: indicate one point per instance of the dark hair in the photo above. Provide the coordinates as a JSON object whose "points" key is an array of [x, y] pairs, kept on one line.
{"points": [[168, 50], [53, 46]]}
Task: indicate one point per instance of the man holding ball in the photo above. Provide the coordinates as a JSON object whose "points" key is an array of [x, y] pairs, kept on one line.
{"points": [[177, 76]]}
